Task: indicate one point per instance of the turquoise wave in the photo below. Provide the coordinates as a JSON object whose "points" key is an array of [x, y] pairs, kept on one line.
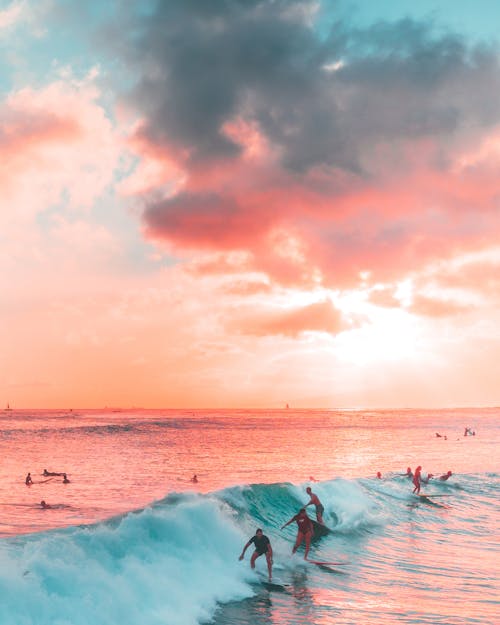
{"points": [[175, 561]]}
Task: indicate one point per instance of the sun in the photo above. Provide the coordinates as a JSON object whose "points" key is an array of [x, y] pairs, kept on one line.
{"points": [[384, 335]]}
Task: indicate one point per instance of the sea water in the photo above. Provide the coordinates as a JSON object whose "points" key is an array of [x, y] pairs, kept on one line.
{"points": [[130, 540]]}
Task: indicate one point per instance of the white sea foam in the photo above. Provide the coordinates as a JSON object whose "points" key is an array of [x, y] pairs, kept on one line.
{"points": [[164, 566]]}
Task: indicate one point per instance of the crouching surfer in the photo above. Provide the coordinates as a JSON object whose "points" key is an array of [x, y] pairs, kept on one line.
{"points": [[262, 546]]}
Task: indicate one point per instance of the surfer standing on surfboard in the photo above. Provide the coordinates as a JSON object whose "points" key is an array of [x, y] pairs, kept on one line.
{"points": [[304, 532], [314, 501], [417, 480], [262, 546]]}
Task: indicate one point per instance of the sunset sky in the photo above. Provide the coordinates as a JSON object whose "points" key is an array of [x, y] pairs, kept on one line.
{"points": [[248, 203]]}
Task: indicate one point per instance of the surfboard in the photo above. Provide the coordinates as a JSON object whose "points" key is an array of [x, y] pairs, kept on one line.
{"points": [[428, 500], [433, 495], [275, 584], [319, 529], [278, 586], [327, 566], [327, 563]]}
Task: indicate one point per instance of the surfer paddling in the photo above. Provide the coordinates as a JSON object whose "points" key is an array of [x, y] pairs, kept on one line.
{"points": [[314, 501], [262, 546], [446, 476], [28, 481], [304, 531], [426, 480]]}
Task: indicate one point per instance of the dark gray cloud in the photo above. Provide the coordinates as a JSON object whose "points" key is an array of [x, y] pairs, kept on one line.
{"points": [[205, 220], [203, 63]]}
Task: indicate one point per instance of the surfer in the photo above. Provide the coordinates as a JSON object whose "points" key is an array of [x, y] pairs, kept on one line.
{"points": [[379, 475], [304, 531], [28, 480], [45, 505], [65, 479], [314, 501], [262, 546], [425, 480], [194, 479], [408, 473], [417, 480], [446, 476]]}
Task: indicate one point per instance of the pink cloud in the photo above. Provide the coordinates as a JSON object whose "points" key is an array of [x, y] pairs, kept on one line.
{"points": [[317, 317], [54, 140], [387, 225], [434, 307], [384, 297], [247, 287]]}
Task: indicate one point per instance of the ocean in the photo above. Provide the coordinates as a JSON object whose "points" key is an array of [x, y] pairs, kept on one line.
{"points": [[130, 540]]}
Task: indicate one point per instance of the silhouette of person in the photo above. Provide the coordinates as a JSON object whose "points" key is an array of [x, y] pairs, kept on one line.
{"points": [[417, 480]]}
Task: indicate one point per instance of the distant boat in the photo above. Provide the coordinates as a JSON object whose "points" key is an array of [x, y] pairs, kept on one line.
{"points": [[287, 406], [8, 407]]}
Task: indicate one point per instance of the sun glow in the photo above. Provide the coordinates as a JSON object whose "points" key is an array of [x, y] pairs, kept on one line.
{"points": [[388, 336]]}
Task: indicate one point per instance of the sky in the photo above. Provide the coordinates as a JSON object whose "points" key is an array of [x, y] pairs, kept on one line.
{"points": [[249, 203]]}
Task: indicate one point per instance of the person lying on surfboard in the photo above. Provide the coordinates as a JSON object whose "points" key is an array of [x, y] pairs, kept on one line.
{"points": [[262, 546], [314, 501], [425, 480], [50, 473], [304, 530], [446, 476]]}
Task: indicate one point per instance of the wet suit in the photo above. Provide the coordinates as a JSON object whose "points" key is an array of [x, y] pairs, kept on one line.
{"points": [[261, 543], [304, 523], [305, 530], [262, 546]]}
